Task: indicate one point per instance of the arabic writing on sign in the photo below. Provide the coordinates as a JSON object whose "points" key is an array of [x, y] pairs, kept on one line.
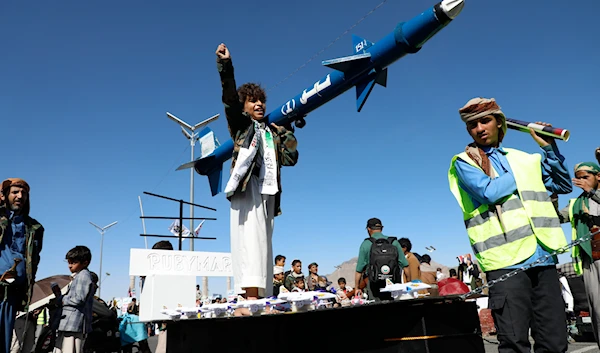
{"points": [[318, 87]]}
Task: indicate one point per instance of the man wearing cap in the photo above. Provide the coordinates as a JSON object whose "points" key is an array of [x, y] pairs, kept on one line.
{"points": [[278, 277], [312, 280], [20, 244], [583, 213], [511, 222], [374, 228]]}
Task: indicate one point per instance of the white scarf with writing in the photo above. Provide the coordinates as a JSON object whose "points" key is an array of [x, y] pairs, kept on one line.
{"points": [[268, 170]]}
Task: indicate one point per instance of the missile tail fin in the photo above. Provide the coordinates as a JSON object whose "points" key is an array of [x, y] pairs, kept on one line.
{"points": [[360, 44], [352, 62], [187, 165], [214, 179], [348, 63], [363, 90], [208, 142], [382, 78]]}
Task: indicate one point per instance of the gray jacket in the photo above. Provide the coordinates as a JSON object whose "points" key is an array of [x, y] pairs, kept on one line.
{"points": [[77, 304]]}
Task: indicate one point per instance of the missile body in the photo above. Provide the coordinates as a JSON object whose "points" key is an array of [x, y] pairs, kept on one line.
{"points": [[365, 68]]}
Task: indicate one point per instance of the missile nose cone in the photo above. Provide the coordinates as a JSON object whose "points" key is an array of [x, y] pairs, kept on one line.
{"points": [[452, 7]]}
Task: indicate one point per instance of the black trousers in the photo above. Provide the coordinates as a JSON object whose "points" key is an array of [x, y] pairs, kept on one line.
{"points": [[531, 299]]}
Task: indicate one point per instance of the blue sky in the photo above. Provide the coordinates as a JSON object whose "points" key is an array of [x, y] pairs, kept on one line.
{"points": [[85, 86]]}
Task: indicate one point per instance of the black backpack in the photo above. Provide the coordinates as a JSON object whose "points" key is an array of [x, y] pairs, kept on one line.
{"points": [[383, 261]]}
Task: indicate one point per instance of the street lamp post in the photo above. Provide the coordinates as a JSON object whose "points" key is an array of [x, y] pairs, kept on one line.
{"points": [[193, 137], [101, 230]]}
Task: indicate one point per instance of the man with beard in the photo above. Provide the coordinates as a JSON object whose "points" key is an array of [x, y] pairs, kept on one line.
{"points": [[20, 246]]}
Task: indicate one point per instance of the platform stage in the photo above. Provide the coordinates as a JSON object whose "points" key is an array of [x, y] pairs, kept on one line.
{"points": [[429, 325]]}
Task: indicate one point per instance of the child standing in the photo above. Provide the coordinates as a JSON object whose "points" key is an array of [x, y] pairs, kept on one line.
{"points": [[295, 273], [254, 187], [76, 318], [298, 285]]}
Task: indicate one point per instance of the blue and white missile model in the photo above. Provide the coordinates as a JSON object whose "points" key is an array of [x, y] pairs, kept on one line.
{"points": [[364, 69]]}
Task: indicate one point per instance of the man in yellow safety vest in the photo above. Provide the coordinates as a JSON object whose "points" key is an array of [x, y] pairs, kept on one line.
{"points": [[511, 222]]}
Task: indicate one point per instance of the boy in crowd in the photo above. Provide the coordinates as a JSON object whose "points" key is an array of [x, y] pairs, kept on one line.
{"points": [[298, 285], [344, 293], [296, 273], [278, 278], [76, 318], [280, 261]]}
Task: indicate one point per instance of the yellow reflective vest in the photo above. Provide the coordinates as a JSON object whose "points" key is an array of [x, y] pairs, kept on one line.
{"points": [[42, 318], [499, 241], [575, 251]]}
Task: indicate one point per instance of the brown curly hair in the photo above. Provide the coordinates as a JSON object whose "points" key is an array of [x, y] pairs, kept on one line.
{"points": [[252, 90]]}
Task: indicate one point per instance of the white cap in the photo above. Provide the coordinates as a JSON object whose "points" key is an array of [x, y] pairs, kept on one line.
{"points": [[277, 270]]}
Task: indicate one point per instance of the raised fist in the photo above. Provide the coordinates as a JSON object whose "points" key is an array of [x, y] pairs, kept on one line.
{"points": [[222, 52]]}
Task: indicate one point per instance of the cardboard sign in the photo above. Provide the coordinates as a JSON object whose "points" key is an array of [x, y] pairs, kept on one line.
{"points": [[144, 262], [170, 277]]}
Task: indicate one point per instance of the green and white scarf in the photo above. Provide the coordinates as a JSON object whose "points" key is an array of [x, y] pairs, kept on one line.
{"points": [[263, 140]]}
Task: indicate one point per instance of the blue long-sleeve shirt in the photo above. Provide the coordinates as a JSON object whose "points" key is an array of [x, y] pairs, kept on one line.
{"points": [[13, 245], [485, 190]]}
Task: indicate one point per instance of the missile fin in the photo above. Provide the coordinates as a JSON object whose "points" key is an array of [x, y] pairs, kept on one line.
{"points": [[348, 63], [360, 44], [214, 179], [382, 78], [208, 142], [362, 93], [187, 165]]}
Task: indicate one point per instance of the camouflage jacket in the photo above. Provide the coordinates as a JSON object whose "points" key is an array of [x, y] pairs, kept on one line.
{"points": [[34, 234], [242, 132]]}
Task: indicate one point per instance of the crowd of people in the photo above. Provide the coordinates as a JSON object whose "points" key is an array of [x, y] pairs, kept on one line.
{"points": [[508, 199], [417, 269]]}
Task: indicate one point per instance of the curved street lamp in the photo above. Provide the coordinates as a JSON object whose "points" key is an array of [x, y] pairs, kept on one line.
{"points": [[101, 230]]}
